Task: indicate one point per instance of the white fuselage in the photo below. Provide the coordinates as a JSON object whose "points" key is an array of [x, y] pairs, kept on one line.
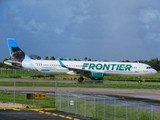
{"points": [[107, 68], [95, 70]]}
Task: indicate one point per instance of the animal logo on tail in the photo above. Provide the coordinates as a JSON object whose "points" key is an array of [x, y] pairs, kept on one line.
{"points": [[17, 54]]}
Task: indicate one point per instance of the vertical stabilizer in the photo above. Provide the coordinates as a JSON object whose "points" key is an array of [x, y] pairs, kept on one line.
{"points": [[16, 54]]}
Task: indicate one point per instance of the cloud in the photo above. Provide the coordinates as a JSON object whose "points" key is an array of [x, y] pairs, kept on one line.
{"points": [[58, 31], [150, 19], [149, 16], [112, 30]]}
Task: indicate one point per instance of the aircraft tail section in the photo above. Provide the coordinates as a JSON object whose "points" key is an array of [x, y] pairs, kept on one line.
{"points": [[17, 55], [18, 58]]}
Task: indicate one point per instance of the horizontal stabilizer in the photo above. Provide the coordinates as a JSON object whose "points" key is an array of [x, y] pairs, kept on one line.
{"points": [[13, 64]]}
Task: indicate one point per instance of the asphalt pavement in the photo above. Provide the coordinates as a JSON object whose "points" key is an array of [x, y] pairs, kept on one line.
{"points": [[18, 114]]}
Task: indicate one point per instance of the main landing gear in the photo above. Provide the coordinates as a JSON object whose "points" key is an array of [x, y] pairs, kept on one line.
{"points": [[80, 80]]}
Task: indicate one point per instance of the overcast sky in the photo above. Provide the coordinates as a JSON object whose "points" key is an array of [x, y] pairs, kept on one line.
{"points": [[113, 30]]}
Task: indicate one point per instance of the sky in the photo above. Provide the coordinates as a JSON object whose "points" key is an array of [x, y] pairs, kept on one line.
{"points": [[112, 30]]}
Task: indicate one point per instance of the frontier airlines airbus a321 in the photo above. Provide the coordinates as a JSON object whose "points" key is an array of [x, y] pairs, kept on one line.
{"points": [[92, 69]]}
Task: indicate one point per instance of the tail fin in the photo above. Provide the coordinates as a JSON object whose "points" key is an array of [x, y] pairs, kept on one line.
{"points": [[16, 54]]}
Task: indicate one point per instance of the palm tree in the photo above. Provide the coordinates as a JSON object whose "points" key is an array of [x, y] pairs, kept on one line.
{"points": [[46, 58], [38, 57], [75, 59], [52, 58], [85, 58], [89, 59]]}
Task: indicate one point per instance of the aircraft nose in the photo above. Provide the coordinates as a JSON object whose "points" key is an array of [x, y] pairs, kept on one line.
{"points": [[154, 71]]}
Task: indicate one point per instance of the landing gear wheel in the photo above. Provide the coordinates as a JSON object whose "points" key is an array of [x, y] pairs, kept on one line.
{"points": [[80, 80]]}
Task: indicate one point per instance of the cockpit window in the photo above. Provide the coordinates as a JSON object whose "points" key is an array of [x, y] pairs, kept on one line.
{"points": [[149, 67]]}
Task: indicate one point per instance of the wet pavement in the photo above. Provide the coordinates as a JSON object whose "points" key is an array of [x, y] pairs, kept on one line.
{"points": [[38, 115]]}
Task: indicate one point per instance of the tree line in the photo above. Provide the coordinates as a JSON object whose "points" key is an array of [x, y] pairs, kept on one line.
{"points": [[154, 62]]}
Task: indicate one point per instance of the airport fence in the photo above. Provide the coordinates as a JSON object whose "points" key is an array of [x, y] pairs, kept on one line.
{"points": [[15, 72], [101, 107]]}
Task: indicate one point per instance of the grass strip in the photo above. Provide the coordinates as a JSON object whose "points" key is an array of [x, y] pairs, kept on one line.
{"points": [[88, 85], [21, 98]]}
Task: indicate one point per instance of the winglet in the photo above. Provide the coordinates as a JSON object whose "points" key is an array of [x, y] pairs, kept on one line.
{"points": [[60, 62]]}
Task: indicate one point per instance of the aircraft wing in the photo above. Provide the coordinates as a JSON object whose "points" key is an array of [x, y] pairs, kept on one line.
{"points": [[75, 70]]}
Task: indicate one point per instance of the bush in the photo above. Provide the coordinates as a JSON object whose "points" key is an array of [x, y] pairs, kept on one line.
{"points": [[37, 76], [50, 75]]}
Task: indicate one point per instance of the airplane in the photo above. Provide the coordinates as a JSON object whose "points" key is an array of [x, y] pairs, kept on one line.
{"points": [[95, 70]]}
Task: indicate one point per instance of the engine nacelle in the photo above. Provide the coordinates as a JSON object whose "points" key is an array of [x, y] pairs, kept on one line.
{"points": [[96, 75]]}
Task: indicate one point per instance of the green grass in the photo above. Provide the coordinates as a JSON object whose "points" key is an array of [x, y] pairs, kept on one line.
{"points": [[87, 85], [155, 78], [21, 98]]}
